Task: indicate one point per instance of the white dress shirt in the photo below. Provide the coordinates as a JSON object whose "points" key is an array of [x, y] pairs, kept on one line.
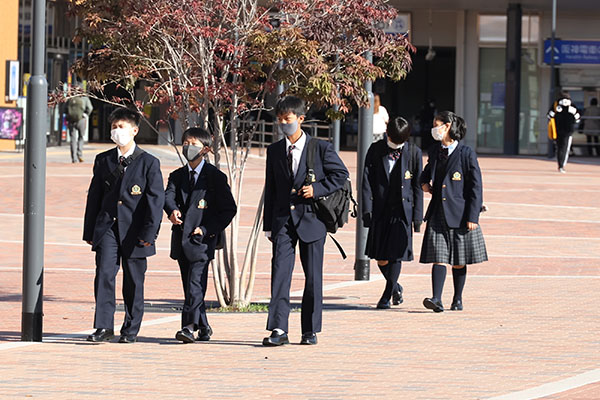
{"points": [[296, 151], [451, 147]]}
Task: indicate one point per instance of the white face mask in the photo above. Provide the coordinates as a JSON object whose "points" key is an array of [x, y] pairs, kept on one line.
{"points": [[121, 136], [393, 145], [436, 133]]}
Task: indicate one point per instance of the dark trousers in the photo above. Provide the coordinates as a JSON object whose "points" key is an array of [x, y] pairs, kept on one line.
{"points": [[77, 131], [590, 139], [563, 145], [108, 254], [282, 267], [194, 276]]}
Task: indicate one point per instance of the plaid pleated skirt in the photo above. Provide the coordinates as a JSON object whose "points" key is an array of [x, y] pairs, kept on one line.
{"points": [[454, 246]]}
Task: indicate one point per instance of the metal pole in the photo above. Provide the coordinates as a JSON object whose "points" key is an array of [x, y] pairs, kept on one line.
{"points": [[513, 79], [552, 73], [365, 138], [35, 183], [335, 126]]}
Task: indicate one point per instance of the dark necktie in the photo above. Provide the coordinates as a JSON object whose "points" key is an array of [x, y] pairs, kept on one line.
{"points": [[123, 164], [290, 160], [192, 179], [394, 154], [443, 154]]}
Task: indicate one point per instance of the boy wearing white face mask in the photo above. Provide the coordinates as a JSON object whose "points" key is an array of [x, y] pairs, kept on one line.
{"points": [[122, 219], [392, 202], [199, 204], [289, 219], [453, 236]]}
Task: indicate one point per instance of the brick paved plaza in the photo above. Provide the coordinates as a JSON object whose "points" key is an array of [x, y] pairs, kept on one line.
{"points": [[529, 328]]}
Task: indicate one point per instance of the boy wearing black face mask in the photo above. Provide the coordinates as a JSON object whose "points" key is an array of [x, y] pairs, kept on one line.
{"points": [[199, 203], [289, 219]]}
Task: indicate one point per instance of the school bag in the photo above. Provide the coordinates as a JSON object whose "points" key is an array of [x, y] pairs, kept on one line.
{"points": [[332, 210], [552, 125], [75, 107]]}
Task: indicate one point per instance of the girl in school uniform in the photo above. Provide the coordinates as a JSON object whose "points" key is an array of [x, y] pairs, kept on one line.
{"points": [[392, 202], [453, 236]]}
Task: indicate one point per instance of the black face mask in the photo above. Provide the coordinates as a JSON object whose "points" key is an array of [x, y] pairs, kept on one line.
{"points": [[191, 152]]}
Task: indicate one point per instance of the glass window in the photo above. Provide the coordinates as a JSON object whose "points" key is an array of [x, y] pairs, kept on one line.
{"points": [[492, 29]]}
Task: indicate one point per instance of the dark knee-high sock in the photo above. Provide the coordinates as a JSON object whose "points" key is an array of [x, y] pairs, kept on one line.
{"points": [[393, 271], [459, 276], [384, 270], [438, 276]]}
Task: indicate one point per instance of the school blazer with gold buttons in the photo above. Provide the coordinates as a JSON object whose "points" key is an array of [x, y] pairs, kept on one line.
{"points": [[462, 188], [134, 202], [209, 205], [377, 185], [281, 193]]}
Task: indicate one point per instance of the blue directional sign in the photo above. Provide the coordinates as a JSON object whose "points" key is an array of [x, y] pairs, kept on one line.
{"points": [[573, 51]]}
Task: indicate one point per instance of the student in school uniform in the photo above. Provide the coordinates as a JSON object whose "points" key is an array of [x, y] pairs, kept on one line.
{"points": [[453, 236], [392, 204], [199, 203], [122, 219], [289, 220]]}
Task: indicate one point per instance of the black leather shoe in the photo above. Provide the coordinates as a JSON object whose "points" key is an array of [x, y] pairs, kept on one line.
{"points": [[433, 304], [185, 336], [383, 305], [276, 339], [204, 334], [456, 305], [309, 338], [101, 335], [128, 339], [397, 296]]}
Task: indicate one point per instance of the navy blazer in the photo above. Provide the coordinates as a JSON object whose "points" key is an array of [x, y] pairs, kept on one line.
{"points": [[135, 204], [209, 205], [376, 183], [462, 188], [281, 194]]}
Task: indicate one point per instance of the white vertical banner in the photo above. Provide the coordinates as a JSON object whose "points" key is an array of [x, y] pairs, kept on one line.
{"points": [[12, 80]]}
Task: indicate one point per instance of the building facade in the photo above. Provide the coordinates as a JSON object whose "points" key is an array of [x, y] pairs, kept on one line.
{"points": [[467, 74]]}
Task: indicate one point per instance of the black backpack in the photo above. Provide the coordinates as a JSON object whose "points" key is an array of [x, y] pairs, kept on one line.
{"points": [[332, 210]]}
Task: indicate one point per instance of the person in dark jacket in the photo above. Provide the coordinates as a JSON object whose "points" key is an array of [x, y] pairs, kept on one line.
{"points": [[565, 115], [453, 236], [199, 203], [392, 202], [122, 219], [290, 220]]}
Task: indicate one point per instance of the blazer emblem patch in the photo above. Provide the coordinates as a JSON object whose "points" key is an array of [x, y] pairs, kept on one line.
{"points": [[136, 190], [456, 176], [408, 175], [202, 204]]}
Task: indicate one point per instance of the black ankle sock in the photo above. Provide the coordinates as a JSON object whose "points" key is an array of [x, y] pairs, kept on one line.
{"points": [[438, 276], [459, 276]]}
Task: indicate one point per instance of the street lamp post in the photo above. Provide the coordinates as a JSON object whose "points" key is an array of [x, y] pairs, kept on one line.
{"points": [[365, 138], [35, 183], [552, 73]]}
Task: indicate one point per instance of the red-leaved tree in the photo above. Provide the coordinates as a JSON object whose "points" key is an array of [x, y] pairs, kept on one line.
{"points": [[211, 62]]}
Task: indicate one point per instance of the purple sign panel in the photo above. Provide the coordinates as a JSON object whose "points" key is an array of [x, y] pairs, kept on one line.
{"points": [[11, 123]]}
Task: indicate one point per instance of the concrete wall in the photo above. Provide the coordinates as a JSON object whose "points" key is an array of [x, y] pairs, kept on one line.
{"points": [[9, 21]]}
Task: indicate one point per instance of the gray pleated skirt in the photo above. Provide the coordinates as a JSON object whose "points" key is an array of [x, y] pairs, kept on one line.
{"points": [[454, 246]]}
